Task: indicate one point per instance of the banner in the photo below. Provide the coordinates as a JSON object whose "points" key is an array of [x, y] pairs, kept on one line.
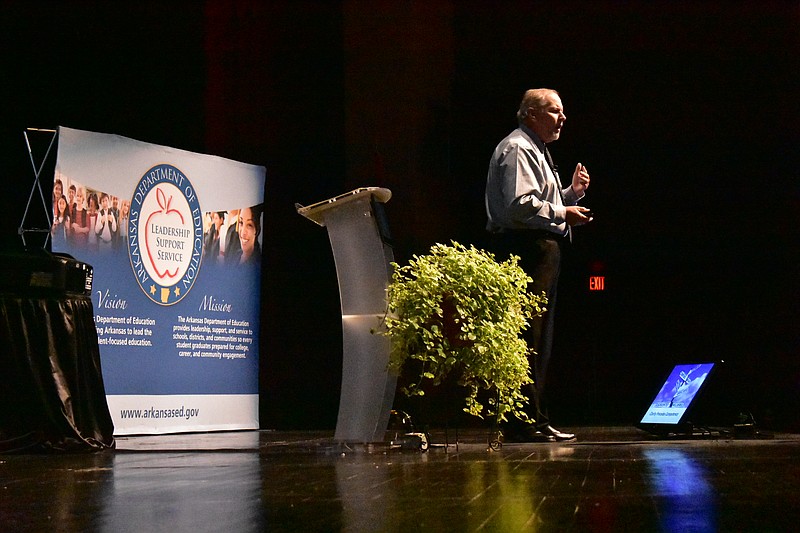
{"points": [[175, 241]]}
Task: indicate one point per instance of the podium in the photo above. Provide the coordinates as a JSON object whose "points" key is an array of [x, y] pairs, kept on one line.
{"points": [[361, 243]]}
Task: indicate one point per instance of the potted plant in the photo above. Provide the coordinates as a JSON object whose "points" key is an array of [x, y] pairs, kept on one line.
{"points": [[457, 313]]}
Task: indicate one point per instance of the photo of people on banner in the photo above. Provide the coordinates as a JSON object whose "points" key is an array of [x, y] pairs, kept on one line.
{"points": [[233, 237], [87, 219], [90, 220]]}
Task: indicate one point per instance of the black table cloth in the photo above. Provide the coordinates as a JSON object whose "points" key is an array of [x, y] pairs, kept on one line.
{"points": [[52, 396]]}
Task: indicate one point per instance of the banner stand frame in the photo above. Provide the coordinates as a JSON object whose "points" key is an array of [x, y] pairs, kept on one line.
{"points": [[37, 184]]}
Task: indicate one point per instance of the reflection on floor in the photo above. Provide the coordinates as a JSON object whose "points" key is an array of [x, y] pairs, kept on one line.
{"points": [[610, 479]]}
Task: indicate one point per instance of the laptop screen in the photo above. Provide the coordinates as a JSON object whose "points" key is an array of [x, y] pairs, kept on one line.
{"points": [[677, 393]]}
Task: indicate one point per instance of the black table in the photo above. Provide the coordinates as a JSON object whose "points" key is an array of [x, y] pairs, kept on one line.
{"points": [[52, 396]]}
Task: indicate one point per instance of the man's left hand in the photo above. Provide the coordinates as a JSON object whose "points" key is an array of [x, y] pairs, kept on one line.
{"points": [[580, 180]]}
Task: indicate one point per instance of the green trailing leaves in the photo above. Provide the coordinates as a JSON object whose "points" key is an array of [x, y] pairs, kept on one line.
{"points": [[459, 311]]}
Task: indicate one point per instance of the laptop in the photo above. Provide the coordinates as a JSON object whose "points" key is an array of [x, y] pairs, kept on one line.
{"points": [[668, 413]]}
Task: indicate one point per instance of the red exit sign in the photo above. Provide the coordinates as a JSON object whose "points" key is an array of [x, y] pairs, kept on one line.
{"points": [[597, 283]]}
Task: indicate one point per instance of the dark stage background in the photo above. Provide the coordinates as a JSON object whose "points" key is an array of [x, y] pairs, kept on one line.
{"points": [[685, 113]]}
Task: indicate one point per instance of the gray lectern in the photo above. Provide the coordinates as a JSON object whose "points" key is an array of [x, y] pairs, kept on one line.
{"points": [[358, 233]]}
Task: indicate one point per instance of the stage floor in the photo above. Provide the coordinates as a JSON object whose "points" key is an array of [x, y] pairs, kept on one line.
{"points": [[610, 479]]}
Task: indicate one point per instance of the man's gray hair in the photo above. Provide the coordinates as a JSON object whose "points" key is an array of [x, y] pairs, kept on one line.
{"points": [[533, 98]]}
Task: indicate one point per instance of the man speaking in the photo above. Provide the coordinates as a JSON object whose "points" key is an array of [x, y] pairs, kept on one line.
{"points": [[530, 215]]}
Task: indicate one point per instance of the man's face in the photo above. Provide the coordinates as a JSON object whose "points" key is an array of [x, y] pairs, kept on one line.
{"points": [[547, 121]]}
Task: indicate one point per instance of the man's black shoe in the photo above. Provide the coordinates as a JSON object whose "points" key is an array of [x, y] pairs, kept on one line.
{"points": [[527, 434], [550, 431]]}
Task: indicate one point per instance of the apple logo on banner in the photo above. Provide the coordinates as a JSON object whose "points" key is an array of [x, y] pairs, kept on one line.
{"points": [[165, 234]]}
